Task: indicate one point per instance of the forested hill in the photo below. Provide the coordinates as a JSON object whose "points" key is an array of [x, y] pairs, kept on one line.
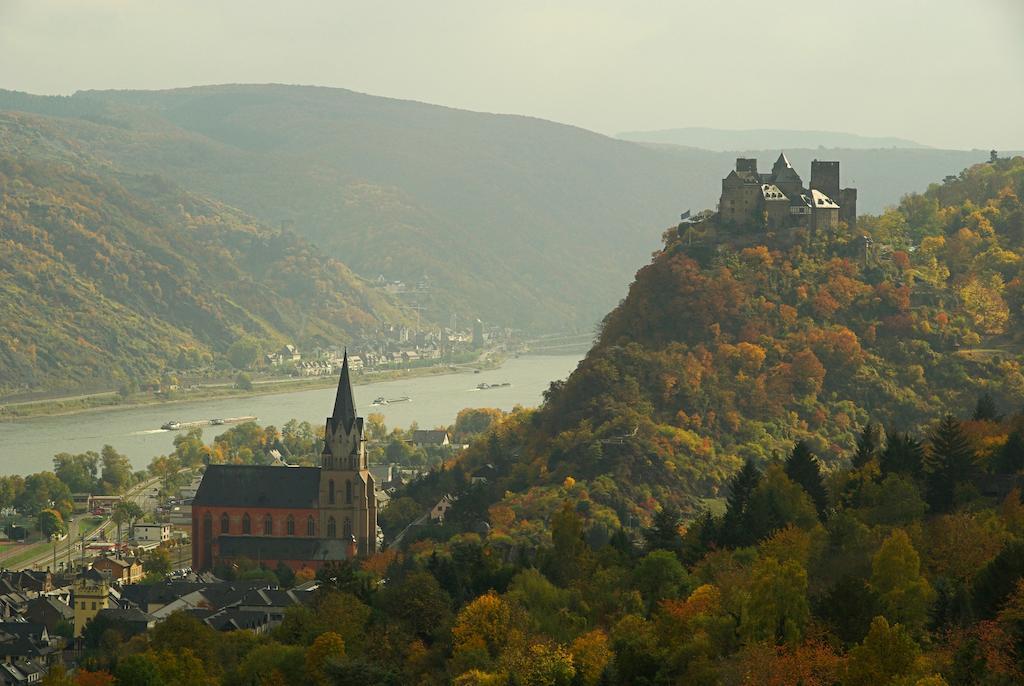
{"points": [[514, 220], [109, 278], [730, 348]]}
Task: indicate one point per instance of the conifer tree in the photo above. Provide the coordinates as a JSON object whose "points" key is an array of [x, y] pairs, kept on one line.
{"points": [[903, 454], [985, 410], [735, 524], [663, 533], [950, 462], [1010, 458], [867, 446], [802, 468]]}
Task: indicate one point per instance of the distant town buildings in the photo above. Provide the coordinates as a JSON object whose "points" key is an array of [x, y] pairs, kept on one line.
{"points": [[779, 200]]}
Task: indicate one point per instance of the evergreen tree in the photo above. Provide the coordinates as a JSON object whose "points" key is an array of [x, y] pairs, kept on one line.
{"points": [[867, 446], [735, 524], [903, 454], [950, 462], [1010, 458], [985, 410], [663, 533], [802, 468]]}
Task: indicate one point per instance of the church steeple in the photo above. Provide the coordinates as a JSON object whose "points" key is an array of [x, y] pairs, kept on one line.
{"points": [[344, 402]]}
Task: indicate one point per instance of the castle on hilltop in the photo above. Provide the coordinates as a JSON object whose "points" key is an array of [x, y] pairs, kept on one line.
{"points": [[779, 200]]}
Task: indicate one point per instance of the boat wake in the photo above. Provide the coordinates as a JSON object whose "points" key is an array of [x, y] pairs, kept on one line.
{"points": [[148, 431]]}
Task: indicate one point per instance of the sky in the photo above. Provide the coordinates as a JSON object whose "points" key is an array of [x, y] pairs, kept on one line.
{"points": [[946, 73]]}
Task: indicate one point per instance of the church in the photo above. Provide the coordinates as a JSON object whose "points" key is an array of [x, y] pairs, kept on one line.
{"points": [[299, 516]]}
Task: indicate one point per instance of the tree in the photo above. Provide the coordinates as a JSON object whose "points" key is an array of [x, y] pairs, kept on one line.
{"points": [[327, 646], [542, 664], [157, 563], [985, 410], [663, 534], [867, 446], [776, 607], [735, 524], [659, 575], [567, 558], [244, 352], [776, 503], [591, 654], [125, 512], [903, 454], [138, 670], [887, 653], [77, 471], [802, 468], [50, 523], [905, 596], [243, 381], [117, 471], [482, 630], [949, 463], [419, 603], [41, 491], [1010, 458]]}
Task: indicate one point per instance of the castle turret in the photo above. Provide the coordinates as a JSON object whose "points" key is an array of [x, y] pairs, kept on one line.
{"points": [[825, 178]]}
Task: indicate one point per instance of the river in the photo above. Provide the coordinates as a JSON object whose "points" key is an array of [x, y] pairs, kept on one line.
{"points": [[29, 445]]}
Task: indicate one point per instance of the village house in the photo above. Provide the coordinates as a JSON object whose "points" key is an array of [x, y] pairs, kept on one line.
{"points": [[431, 438]]}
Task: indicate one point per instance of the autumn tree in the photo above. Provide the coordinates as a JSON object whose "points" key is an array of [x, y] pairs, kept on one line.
{"points": [[327, 646], [887, 653], [905, 595], [776, 607]]}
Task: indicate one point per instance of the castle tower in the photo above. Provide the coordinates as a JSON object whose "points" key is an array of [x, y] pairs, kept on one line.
{"points": [[347, 503], [825, 178]]}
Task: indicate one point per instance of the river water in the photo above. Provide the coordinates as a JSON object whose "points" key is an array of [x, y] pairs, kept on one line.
{"points": [[29, 445]]}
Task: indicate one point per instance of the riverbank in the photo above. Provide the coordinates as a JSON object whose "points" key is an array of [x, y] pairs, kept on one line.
{"points": [[111, 401]]}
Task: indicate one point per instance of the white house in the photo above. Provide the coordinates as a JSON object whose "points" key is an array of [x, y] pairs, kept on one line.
{"points": [[152, 533]]}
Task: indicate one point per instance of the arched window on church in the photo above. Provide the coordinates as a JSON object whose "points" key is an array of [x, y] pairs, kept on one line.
{"points": [[330, 491], [348, 528], [268, 526], [310, 526], [225, 524], [246, 524], [291, 525], [348, 492], [332, 530]]}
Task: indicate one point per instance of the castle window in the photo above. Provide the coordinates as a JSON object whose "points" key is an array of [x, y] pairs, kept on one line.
{"points": [[310, 526], [348, 492], [330, 491], [332, 530], [268, 526], [291, 525], [246, 524], [348, 528], [225, 525]]}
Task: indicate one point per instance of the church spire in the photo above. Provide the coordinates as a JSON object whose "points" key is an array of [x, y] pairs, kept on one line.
{"points": [[344, 402]]}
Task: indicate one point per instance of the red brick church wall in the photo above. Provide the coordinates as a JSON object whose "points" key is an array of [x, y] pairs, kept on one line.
{"points": [[204, 548]]}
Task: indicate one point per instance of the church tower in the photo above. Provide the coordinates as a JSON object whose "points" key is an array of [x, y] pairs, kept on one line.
{"points": [[348, 504]]}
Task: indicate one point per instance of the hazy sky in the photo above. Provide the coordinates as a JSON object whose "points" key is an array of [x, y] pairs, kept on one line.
{"points": [[944, 72]]}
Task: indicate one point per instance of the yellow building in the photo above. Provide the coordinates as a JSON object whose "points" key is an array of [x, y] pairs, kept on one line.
{"points": [[91, 594]]}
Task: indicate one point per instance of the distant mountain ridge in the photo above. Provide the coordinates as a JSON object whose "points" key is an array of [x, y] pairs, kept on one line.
{"points": [[115, 278], [516, 220], [758, 139]]}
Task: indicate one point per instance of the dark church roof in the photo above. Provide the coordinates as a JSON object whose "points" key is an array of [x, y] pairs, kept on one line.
{"points": [[259, 486], [344, 401], [282, 548]]}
